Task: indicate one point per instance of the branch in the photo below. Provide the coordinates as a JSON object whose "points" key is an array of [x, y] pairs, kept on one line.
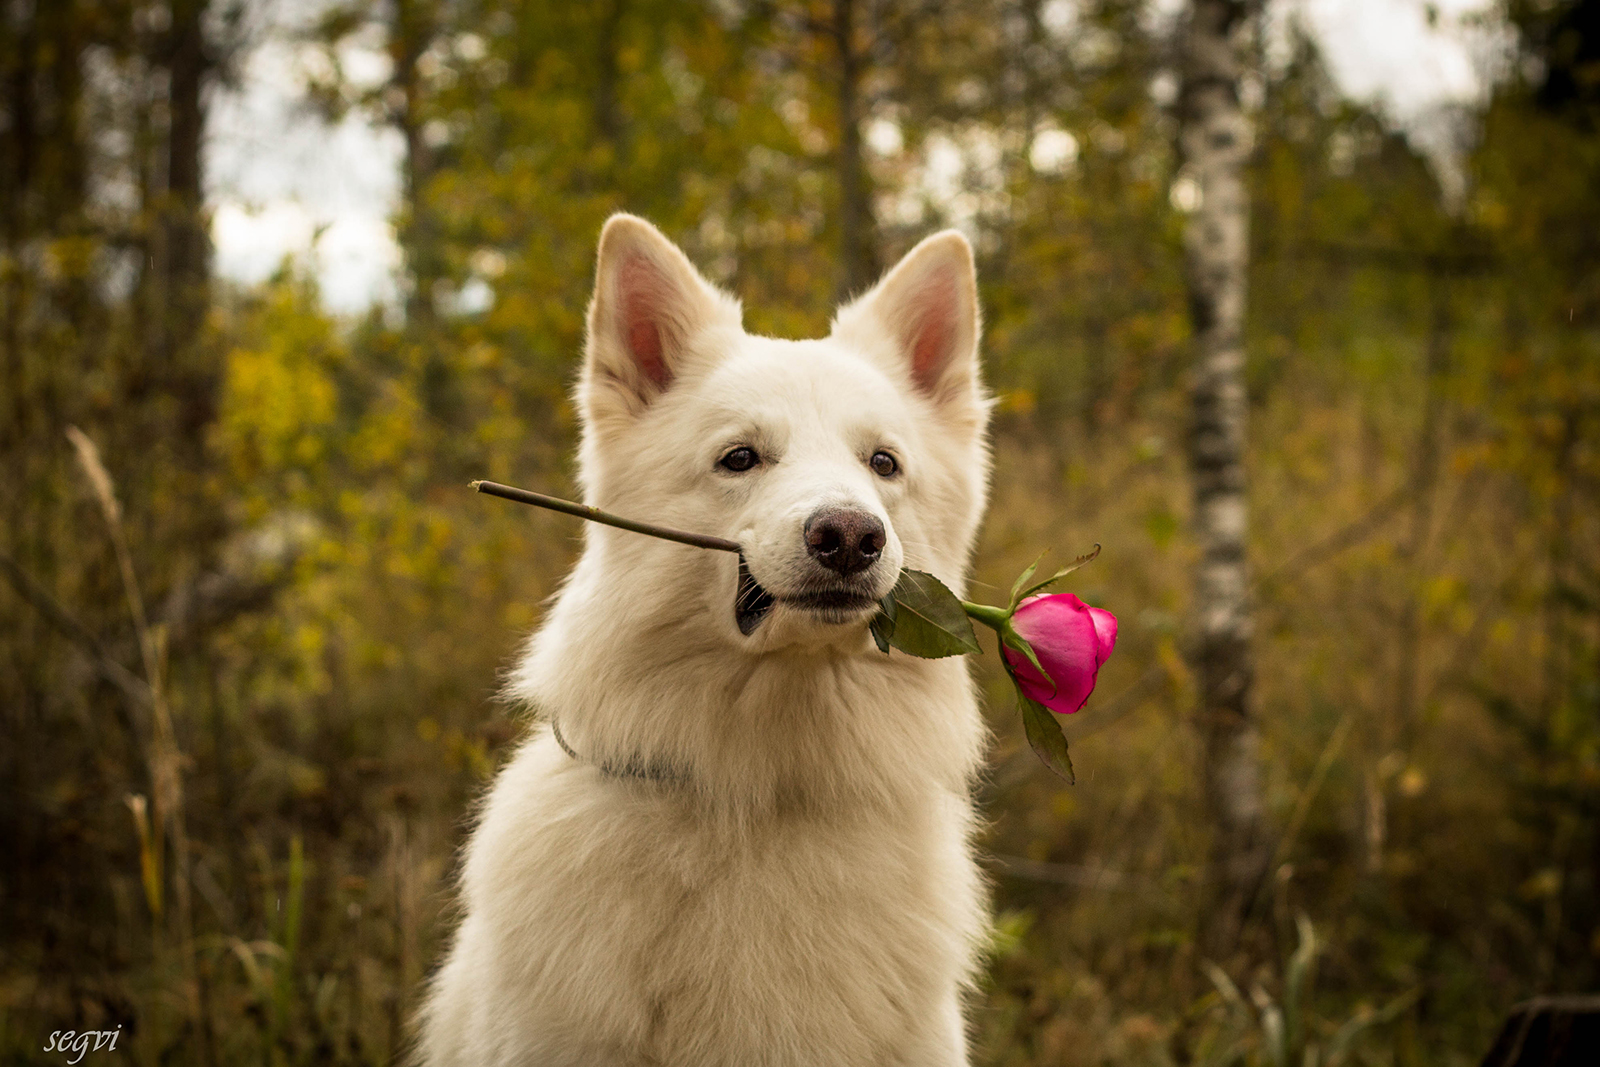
{"points": [[1086, 722], [69, 627], [1467, 263], [584, 511], [1072, 874], [1348, 536], [198, 606], [1302, 804]]}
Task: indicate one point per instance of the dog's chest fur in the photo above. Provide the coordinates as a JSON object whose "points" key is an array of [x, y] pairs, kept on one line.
{"points": [[609, 922], [629, 920]]}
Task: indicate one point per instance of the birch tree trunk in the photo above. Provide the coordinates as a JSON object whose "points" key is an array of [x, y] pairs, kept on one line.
{"points": [[1214, 143]]}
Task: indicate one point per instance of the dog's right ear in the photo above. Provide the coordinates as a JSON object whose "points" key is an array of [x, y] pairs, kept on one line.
{"points": [[650, 306]]}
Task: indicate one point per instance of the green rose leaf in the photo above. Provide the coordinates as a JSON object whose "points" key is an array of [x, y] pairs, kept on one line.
{"points": [[927, 620], [883, 622], [1019, 593], [1046, 739], [1023, 579]]}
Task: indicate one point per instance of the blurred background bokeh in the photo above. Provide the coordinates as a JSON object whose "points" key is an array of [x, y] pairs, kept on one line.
{"points": [[252, 623]]}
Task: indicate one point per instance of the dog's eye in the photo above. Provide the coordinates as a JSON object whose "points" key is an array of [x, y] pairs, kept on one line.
{"points": [[740, 459], [883, 464]]}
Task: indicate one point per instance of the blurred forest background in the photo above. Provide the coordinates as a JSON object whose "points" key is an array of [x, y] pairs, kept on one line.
{"points": [[248, 702]]}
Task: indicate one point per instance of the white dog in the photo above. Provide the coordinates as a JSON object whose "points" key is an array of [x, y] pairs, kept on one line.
{"points": [[741, 835]]}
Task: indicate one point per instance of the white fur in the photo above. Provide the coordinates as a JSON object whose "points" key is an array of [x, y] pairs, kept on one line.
{"points": [[800, 889]]}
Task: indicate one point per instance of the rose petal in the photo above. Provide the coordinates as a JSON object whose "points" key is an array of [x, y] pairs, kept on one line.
{"points": [[1061, 631], [1105, 632]]}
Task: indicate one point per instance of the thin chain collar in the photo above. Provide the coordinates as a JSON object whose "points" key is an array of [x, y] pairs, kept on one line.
{"points": [[633, 768]]}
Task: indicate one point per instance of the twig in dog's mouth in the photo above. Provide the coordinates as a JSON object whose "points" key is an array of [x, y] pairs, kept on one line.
{"points": [[751, 603], [584, 511]]}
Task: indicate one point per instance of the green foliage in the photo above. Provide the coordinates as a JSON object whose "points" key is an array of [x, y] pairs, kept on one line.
{"points": [[925, 619], [1045, 738], [1025, 586]]}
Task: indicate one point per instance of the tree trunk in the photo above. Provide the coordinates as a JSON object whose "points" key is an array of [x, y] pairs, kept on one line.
{"points": [[412, 29], [858, 261], [1424, 491], [1214, 143], [17, 149], [183, 224]]}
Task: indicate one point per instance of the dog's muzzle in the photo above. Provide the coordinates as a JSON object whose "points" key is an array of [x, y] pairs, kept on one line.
{"points": [[828, 601], [751, 603]]}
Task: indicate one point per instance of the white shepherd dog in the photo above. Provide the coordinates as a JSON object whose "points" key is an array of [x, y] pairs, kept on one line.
{"points": [[741, 834]]}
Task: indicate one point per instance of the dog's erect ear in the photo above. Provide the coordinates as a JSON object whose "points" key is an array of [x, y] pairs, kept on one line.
{"points": [[649, 306], [926, 310]]}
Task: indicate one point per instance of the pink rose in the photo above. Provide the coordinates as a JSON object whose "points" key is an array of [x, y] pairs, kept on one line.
{"points": [[1071, 640]]}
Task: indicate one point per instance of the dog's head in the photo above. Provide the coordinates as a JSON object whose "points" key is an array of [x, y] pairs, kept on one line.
{"points": [[832, 462]]}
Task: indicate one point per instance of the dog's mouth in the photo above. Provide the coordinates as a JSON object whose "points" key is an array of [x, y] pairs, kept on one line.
{"points": [[752, 603]]}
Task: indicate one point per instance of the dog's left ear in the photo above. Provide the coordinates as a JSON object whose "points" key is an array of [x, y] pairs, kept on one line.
{"points": [[650, 309], [925, 314]]}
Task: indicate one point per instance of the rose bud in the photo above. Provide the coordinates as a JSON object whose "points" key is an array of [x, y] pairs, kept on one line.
{"points": [[1070, 639]]}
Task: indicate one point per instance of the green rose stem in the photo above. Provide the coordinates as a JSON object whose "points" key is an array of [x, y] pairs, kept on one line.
{"points": [[994, 618], [584, 511]]}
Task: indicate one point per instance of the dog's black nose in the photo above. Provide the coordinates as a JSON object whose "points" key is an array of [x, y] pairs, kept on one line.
{"points": [[845, 540]]}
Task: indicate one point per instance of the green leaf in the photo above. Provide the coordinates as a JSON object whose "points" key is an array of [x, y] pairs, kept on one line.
{"points": [[928, 619], [1058, 575], [883, 622], [1022, 580], [1046, 738]]}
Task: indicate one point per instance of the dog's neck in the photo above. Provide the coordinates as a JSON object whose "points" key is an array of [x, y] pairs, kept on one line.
{"points": [[632, 769]]}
